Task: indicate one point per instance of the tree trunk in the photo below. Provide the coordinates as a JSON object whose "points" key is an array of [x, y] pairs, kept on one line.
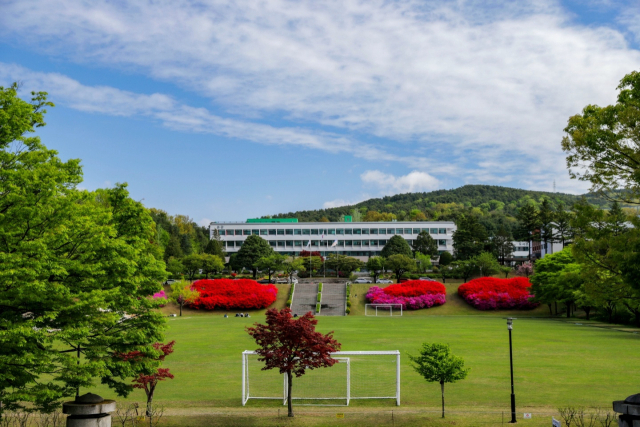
{"points": [[289, 378], [556, 304], [568, 309], [442, 388], [255, 273], [181, 308], [550, 310], [587, 310], [149, 409]]}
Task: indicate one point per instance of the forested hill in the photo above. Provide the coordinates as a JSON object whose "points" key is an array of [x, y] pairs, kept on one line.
{"points": [[493, 204]]}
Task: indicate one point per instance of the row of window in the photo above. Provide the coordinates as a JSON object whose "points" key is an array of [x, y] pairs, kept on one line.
{"points": [[317, 243], [330, 231]]}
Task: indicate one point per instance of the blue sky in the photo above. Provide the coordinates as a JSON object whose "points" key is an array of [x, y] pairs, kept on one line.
{"points": [[224, 110]]}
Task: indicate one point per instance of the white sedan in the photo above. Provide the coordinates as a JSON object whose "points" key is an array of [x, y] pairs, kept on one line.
{"points": [[362, 280], [384, 281]]}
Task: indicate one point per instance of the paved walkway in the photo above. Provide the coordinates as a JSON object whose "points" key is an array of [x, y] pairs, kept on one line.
{"points": [[333, 299], [304, 298]]}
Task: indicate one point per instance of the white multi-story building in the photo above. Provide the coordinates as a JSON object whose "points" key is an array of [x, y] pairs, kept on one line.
{"points": [[357, 239]]}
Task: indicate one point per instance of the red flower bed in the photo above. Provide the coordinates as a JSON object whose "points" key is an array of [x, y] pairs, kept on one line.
{"points": [[232, 293], [490, 293], [413, 294], [414, 288]]}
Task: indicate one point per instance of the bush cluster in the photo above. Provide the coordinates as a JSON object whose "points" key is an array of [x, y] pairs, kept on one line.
{"points": [[491, 293], [233, 294], [413, 295]]}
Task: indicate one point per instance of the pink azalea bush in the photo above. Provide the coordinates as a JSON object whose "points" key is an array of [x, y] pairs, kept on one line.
{"points": [[161, 295], [491, 293], [412, 295]]}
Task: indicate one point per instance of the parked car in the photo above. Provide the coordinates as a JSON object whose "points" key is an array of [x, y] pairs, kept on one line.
{"points": [[170, 281], [427, 278], [282, 280], [266, 281], [384, 281], [362, 280]]}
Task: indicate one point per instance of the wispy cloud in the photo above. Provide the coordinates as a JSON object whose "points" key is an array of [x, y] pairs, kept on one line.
{"points": [[460, 83], [414, 181]]}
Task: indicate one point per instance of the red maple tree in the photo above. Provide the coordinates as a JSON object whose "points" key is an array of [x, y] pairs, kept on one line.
{"points": [[149, 382], [292, 345]]}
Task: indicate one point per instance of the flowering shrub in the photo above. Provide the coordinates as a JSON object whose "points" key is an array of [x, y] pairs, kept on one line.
{"points": [[161, 295], [232, 293], [490, 293], [413, 295]]}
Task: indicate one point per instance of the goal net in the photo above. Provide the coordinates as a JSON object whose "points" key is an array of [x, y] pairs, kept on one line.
{"points": [[385, 310], [356, 375]]}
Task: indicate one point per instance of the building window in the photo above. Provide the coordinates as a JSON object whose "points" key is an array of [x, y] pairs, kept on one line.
{"points": [[407, 231], [433, 231], [442, 231], [246, 232], [391, 231], [306, 231], [238, 243], [348, 231], [357, 243], [357, 231], [314, 231], [365, 231], [280, 244], [280, 232], [416, 231], [442, 242], [314, 243], [255, 232], [348, 242], [238, 232], [399, 231], [272, 232], [374, 231], [264, 232], [297, 243], [297, 231], [382, 242], [332, 232], [365, 243], [426, 230], [340, 231], [272, 243], [340, 242], [289, 243], [288, 231], [382, 231]]}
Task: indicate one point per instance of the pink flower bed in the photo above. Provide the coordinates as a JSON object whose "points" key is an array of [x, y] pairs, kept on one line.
{"points": [[413, 295], [490, 293]]}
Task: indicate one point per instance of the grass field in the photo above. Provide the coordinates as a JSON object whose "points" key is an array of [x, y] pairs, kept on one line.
{"points": [[557, 363]]}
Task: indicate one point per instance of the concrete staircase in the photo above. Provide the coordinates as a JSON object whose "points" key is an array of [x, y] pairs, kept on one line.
{"points": [[304, 298], [333, 299]]}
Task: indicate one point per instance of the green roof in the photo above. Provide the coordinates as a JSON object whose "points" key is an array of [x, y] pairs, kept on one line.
{"points": [[272, 220]]}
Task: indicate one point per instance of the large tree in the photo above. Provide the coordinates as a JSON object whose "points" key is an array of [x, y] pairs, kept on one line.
{"points": [[73, 263], [215, 246], [603, 144], [436, 364], [425, 244], [291, 265], [400, 264], [502, 245], [270, 264], [211, 264], [470, 238], [529, 224], [254, 248], [375, 265], [292, 345], [395, 246]]}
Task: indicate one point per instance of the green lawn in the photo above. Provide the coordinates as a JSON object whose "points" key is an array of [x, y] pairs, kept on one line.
{"points": [[557, 363]]}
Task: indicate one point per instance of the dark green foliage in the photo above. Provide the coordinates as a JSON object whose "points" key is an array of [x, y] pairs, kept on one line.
{"points": [[395, 246], [254, 248], [445, 259], [425, 244], [470, 238]]}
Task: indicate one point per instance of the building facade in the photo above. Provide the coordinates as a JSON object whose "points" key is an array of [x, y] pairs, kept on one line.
{"points": [[357, 239]]}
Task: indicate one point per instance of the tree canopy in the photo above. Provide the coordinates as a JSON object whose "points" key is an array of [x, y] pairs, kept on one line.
{"points": [[253, 248], [396, 245]]}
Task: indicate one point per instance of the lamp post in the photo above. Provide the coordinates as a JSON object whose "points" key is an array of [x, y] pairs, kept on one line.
{"points": [[513, 395]]}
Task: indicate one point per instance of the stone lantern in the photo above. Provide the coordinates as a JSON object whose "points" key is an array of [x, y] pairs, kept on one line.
{"points": [[630, 410], [89, 410]]}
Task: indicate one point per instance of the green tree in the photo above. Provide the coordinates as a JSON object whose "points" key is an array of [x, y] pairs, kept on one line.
{"points": [[175, 267], [270, 264], [192, 265], [173, 249], [395, 246], [549, 284], [436, 364], [486, 264], [375, 265], [470, 238], [254, 248], [603, 144], [529, 224], [464, 268], [211, 264], [425, 244], [181, 293], [291, 265], [502, 244], [215, 246], [75, 261], [424, 262], [444, 261], [400, 264]]}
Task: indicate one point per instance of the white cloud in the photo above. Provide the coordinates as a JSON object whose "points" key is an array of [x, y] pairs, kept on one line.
{"points": [[468, 84], [412, 182], [338, 202]]}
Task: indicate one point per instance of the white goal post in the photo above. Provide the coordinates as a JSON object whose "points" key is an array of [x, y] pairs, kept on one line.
{"points": [[356, 375], [386, 310]]}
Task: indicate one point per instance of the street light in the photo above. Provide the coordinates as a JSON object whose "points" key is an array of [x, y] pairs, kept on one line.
{"points": [[513, 395]]}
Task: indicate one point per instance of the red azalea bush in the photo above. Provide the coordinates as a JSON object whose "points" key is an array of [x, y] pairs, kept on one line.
{"points": [[413, 294], [491, 293], [232, 294]]}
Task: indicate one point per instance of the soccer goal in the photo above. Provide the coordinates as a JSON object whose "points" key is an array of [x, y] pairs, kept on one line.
{"points": [[383, 310], [356, 375]]}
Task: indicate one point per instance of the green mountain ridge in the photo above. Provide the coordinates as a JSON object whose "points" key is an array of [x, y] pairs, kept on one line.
{"points": [[494, 205]]}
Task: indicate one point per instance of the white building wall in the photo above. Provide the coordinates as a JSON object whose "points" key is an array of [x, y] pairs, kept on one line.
{"points": [[358, 239]]}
